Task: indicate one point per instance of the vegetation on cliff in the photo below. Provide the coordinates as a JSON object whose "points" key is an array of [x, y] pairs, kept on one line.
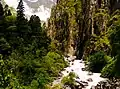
{"points": [[91, 29]]}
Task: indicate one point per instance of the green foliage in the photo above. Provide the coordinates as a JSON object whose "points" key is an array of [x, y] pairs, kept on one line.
{"points": [[27, 60], [97, 61], [108, 70], [63, 26], [112, 69], [117, 68], [56, 86], [55, 63], [99, 40], [69, 80], [115, 37]]}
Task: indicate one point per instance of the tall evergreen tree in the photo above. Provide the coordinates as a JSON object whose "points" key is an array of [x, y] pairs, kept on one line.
{"points": [[1, 10], [7, 11], [20, 11], [22, 24], [1, 16]]}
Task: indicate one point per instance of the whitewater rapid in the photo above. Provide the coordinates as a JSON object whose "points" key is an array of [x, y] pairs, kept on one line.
{"points": [[76, 66]]}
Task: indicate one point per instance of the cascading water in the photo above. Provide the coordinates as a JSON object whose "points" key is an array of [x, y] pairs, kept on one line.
{"points": [[86, 78]]}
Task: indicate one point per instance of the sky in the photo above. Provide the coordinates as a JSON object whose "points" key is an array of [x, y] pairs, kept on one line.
{"points": [[42, 11]]}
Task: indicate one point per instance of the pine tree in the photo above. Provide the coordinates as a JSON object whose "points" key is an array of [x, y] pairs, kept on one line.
{"points": [[1, 10], [6, 10], [9, 13], [22, 25], [20, 11], [1, 17]]}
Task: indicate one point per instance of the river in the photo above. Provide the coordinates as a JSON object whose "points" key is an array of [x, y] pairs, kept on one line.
{"points": [[77, 67]]}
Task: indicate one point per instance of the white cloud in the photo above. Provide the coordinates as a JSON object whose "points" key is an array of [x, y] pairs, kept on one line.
{"points": [[12, 3], [42, 12]]}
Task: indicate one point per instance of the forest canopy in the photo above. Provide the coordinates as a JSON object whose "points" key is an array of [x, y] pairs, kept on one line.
{"points": [[27, 59]]}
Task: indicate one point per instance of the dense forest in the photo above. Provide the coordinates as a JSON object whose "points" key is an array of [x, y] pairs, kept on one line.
{"points": [[28, 60], [32, 53]]}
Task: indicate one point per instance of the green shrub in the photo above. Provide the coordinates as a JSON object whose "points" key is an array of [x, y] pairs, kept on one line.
{"points": [[117, 66], [112, 69], [108, 70], [97, 61], [69, 80]]}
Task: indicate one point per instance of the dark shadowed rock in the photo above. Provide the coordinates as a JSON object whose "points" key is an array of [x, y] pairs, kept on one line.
{"points": [[72, 63], [109, 84], [83, 69], [89, 80]]}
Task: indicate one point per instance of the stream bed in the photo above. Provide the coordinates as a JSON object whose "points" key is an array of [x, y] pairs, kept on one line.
{"points": [[78, 66]]}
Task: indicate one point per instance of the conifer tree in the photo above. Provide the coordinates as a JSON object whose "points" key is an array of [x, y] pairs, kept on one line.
{"points": [[20, 11], [1, 10], [9, 13], [1, 16], [22, 24]]}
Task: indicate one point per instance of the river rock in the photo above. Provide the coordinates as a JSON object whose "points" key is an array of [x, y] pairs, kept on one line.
{"points": [[80, 61], [83, 69], [72, 70], [67, 71], [109, 84], [80, 84], [59, 77], [60, 74], [90, 73], [77, 67], [67, 87], [90, 80], [84, 83], [93, 87], [72, 63], [77, 77], [117, 87]]}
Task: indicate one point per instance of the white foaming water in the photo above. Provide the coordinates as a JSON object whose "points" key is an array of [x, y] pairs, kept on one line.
{"points": [[76, 67], [32, 0], [42, 11]]}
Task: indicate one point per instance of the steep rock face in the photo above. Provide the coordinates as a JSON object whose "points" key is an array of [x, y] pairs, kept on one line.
{"points": [[86, 18], [63, 26], [41, 8]]}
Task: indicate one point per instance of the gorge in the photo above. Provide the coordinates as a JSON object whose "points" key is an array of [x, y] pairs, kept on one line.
{"points": [[60, 44]]}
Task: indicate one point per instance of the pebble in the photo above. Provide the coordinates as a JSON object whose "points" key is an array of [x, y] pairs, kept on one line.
{"points": [[72, 63], [90, 80], [72, 70], [90, 73], [83, 69]]}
